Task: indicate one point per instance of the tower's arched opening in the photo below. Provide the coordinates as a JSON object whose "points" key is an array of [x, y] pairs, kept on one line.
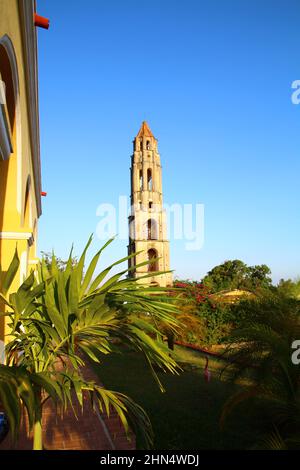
{"points": [[152, 230], [149, 179], [132, 261], [148, 145], [141, 180], [153, 261]]}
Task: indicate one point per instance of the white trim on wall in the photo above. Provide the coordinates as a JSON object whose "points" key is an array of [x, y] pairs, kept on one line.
{"points": [[5, 141], [23, 266], [18, 236]]}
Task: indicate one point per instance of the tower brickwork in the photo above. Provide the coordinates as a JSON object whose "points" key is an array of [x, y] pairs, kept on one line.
{"points": [[147, 222]]}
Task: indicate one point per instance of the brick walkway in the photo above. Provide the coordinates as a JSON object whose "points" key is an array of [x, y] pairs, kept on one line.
{"points": [[91, 431]]}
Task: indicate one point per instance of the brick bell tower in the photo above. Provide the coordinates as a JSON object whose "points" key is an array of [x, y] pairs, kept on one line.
{"points": [[147, 222]]}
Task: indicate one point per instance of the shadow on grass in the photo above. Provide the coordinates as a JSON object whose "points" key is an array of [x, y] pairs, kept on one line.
{"points": [[187, 415]]}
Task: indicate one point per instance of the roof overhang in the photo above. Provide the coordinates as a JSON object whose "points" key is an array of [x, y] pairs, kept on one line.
{"points": [[29, 39]]}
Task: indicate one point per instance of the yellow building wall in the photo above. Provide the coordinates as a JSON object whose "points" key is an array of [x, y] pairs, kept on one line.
{"points": [[17, 181]]}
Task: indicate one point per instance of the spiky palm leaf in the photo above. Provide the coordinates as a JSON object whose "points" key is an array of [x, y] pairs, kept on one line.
{"points": [[16, 390], [70, 316]]}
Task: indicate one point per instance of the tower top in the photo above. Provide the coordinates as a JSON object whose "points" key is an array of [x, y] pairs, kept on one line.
{"points": [[145, 131]]}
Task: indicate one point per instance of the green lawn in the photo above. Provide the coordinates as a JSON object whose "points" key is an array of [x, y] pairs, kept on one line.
{"points": [[187, 415]]}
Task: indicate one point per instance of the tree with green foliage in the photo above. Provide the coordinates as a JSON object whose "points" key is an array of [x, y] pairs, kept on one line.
{"points": [[204, 320], [63, 320], [289, 288], [237, 275], [61, 264]]}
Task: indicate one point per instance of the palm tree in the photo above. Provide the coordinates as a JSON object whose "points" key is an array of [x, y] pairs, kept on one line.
{"points": [[260, 352], [67, 319]]}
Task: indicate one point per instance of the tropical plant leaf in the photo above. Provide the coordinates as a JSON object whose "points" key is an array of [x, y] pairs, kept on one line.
{"points": [[63, 320], [8, 277]]}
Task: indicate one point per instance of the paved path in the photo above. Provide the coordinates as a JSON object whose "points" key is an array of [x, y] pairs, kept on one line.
{"points": [[91, 431]]}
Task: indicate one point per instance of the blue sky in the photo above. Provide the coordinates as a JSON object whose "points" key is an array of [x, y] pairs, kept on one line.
{"points": [[213, 80]]}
